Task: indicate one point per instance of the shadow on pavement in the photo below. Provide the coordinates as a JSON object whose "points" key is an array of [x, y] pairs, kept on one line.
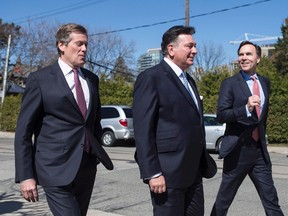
{"points": [[10, 206]]}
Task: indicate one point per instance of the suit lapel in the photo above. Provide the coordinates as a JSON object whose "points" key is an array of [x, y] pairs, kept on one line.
{"points": [[245, 90], [91, 92], [243, 86], [61, 83], [179, 85]]}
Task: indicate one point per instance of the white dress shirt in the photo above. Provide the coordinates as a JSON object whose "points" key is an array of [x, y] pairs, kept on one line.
{"points": [[178, 72], [69, 76]]}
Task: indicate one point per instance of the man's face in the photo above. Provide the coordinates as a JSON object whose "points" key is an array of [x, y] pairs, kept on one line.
{"points": [[74, 53], [248, 59], [183, 51]]}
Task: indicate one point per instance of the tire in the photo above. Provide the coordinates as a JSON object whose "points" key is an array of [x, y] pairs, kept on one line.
{"points": [[218, 144], [108, 139]]}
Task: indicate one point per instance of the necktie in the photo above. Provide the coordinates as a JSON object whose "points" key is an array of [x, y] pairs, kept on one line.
{"points": [[256, 91], [79, 94], [81, 103], [186, 84]]}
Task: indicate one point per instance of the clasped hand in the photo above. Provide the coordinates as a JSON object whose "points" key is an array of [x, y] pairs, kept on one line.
{"points": [[157, 185], [29, 190], [253, 101]]}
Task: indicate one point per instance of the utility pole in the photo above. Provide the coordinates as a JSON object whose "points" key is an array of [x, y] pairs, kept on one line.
{"points": [[187, 17], [4, 77]]}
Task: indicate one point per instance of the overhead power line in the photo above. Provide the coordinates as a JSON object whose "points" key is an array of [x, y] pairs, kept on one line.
{"points": [[174, 20], [180, 19], [57, 11], [91, 2], [111, 69]]}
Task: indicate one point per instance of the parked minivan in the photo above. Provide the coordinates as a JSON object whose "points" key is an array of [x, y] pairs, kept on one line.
{"points": [[117, 124]]}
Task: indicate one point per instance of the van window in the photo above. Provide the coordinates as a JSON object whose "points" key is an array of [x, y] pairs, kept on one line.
{"points": [[128, 112], [109, 112]]}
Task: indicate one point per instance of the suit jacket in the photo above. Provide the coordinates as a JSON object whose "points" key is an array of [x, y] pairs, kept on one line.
{"points": [[233, 97], [168, 127], [51, 115]]}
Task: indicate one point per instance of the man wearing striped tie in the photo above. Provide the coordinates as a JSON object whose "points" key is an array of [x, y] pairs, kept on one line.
{"points": [[169, 129], [243, 106]]}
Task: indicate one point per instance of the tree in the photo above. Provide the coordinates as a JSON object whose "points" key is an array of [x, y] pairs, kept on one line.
{"points": [[36, 48], [277, 122], [121, 70], [7, 29], [209, 86], [117, 91], [281, 51], [104, 50], [208, 57]]}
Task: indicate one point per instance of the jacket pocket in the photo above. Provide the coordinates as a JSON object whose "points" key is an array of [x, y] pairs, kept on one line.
{"points": [[167, 141]]}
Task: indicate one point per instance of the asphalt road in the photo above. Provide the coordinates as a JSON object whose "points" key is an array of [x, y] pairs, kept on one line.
{"points": [[121, 192]]}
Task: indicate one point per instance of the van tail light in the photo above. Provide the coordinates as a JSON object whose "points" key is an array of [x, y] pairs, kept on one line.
{"points": [[123, 122]]}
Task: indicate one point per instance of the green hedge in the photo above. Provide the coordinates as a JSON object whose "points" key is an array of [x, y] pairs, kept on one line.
{"points": [[9, 112], [111, 92]]}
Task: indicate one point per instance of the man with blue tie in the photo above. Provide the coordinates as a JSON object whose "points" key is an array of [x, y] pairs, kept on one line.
{"points": [[243, 106], [169, 130], [57, 140]]}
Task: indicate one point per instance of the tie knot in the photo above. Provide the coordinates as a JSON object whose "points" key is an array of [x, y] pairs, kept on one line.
{"points": [[253, 78], [183, 74], [75, 70]]}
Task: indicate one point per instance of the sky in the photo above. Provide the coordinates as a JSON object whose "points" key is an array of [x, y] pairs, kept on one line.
{"points": [[216, 22]]}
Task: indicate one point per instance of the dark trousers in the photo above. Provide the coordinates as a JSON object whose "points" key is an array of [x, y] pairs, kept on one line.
{"points": [[73, 199], [180, 201], [247, 160]]}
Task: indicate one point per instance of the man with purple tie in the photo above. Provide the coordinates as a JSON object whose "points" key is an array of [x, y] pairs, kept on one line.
{"points": [[57, 140]]}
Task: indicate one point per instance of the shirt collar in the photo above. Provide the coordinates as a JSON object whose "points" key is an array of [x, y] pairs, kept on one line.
{"points": [[248, 77], [66, 69], [174, 67]]}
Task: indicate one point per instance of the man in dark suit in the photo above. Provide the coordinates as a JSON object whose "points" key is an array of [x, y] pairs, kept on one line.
{"points": [[64, 153], [243, 106], [169, 130]]}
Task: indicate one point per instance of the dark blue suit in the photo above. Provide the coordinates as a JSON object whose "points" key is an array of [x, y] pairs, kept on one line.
{"points": [[242, 155], [168, 129], [50, 113]]}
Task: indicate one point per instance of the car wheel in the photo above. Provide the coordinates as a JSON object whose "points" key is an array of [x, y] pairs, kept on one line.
{"points": [[218, 144], [108, 139]]}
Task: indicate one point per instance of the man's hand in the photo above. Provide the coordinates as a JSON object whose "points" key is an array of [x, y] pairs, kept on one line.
{"points": [[253, 101], [29, 190], [158, 185]]}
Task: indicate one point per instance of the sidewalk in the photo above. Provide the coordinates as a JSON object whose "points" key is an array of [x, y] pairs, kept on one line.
{"points": [[9, 172], [13, 200]]}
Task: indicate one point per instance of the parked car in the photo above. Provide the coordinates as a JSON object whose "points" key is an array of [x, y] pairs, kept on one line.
{"points": [[214, 132], [117, 124]]}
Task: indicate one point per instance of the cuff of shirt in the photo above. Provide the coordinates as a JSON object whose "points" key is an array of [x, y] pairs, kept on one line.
{"points": [[154, 176], [247, 111]]}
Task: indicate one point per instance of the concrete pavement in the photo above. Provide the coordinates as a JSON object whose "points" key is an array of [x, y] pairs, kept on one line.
{"points": [[12, 204], [9, 202]]}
